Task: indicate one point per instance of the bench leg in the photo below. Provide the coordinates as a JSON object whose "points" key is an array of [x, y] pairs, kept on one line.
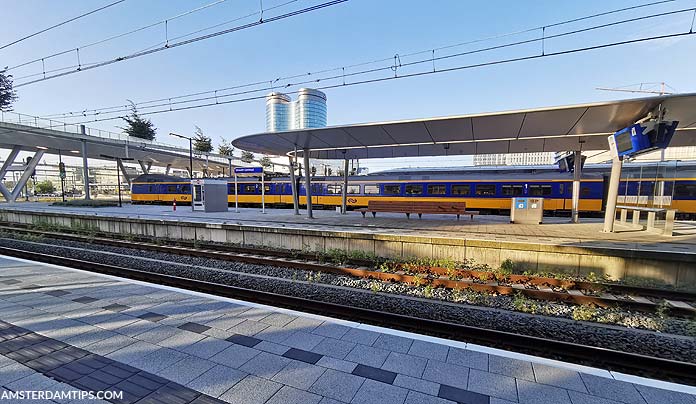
{"points": [[457, 216], [408, 216], [669, 223], [636, 217], [374, 214], [624, 215], [363, 213], [420, 215], [472, 217], [651, 220]]}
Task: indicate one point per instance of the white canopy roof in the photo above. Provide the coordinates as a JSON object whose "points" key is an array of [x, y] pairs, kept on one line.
{"points": [[551, 129]]}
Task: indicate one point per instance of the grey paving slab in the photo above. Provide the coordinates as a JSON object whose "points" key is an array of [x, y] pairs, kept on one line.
{"points": [[303, 340], [234, 356], [251, 390], [299, 374], [306, 324], [359, 336], [13, 372], [368, 355], [111, 344], [492, 384], [414, 383], [181, 340], [255, 314], [511, 367], [159, 359], [331, 330], [157, 334], [206, 347], [373, 392], [278, 319], [446, 373], [429, 350], [273, 333], [327, 400], [393, 343], [468, 358], [612, 389], [35, 381], [558, 377], [84, 339], [405, 364], [265, 365], [248, 327], [336, 364], [224, 322], [290, 395], [535, 393], [335, 348], [133, 352], [654, 395], [186, 369], [337, 385], [271, 347], [581, 398], [217, 380], [415, 397], [136, 328]]}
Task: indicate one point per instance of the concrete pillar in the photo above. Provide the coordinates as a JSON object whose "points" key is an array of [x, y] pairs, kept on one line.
{"points": [[166, 170], [612, 195], [308, 183], [3, 171], [85, 167], [344, 199], [577, 174], [293, 187], [26, 175], [229, 166]]}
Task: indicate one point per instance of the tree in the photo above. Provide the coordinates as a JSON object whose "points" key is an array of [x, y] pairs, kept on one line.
{"points": [[139, 127], [45, 187], [265, 162], [202, 143], [7, 94], [247, 156], [225, 148]]}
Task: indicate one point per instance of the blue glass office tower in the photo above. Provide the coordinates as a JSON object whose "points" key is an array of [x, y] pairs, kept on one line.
{"points": [[309, 111]]}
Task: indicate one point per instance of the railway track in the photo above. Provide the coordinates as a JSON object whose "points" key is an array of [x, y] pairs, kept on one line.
{"points": [[675, 302], [616, 360]]}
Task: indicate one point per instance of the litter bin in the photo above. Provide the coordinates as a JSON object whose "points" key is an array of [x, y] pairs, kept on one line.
{"points": [[527, 210]]}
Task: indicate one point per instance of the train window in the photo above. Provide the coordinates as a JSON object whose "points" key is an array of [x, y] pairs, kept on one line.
{"points": [[371, 189], [561, 189], [353, 189], [512, 190], [249, 189], [646, 188], [485, 189], [584, 191], [267, 189], [171, 189], [151, 188], [414, 189], [437, 189], [392, 189], [186, 189], [539, 190], [461, 189], [685, 190], [334, 189]]}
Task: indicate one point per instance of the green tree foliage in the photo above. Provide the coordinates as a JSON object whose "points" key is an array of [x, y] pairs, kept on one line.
{"points": [[247, 156], [265, 162], [225, 148], [7, 94], [201, 142], [137, 126], [45, 187]]}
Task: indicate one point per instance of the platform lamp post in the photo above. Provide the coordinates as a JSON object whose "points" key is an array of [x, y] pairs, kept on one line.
{"points": [[190, 139], [118, 173]]}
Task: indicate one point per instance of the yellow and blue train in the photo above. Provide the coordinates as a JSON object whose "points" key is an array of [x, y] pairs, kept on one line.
{"points": [[483, 189]]}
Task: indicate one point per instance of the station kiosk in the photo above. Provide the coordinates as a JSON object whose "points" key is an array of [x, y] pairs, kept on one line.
{"points": [[209, 195], [527, 210]]}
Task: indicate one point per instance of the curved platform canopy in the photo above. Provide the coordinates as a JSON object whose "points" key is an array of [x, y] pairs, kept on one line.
{"points": [[551, 129]]}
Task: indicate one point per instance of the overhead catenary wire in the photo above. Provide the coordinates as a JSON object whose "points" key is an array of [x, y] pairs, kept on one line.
{"points": [[60, 24], [221, 98], [431, 59], [189, 41]]}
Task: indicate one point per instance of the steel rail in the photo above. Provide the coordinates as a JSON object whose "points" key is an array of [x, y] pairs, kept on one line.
{"points": [[638, 364]]}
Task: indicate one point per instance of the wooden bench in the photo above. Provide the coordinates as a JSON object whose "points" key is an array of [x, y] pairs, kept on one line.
{"points": [[409, 207], [637, 210]]}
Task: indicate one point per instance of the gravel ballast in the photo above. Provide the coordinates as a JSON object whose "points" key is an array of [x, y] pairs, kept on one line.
{"points": [[400, 298]]}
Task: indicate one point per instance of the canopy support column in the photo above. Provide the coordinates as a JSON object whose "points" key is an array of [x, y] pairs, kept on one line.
{"points": [[3, 171], [166, 170], [344, 199], [28, 170], [293, 187], [85, 167], [145, 168], [612, 195], [123, 171], [308, 184], [577, 174]]}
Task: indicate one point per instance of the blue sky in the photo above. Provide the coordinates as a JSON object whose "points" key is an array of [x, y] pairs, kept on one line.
{"points": [[353, 32]]}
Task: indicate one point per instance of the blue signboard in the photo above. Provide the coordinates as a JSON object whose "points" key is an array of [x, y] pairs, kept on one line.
{"points": [[644, 137], [248, 170], [520, 203]]}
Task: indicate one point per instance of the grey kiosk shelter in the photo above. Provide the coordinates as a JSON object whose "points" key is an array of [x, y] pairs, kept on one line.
{"points": [[574, 128], [209, 195]]}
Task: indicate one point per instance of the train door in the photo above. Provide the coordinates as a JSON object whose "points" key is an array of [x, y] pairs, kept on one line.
{"points": [[605, 190]]}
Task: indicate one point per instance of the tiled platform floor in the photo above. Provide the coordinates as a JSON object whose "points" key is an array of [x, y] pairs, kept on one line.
{"points": [[184, 347]]}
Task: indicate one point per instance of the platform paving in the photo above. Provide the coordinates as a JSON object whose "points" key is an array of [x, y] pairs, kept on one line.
{"points": [[64, 330]]}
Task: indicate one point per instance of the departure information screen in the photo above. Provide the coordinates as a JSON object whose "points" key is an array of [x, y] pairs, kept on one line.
{"points": [[623, 142]]}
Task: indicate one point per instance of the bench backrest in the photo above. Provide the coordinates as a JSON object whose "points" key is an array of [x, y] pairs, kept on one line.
{"points": [[416, 205]]}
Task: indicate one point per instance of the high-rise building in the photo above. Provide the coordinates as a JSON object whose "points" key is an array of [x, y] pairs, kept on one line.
{"points": [[514, 159], [309, 111]]}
